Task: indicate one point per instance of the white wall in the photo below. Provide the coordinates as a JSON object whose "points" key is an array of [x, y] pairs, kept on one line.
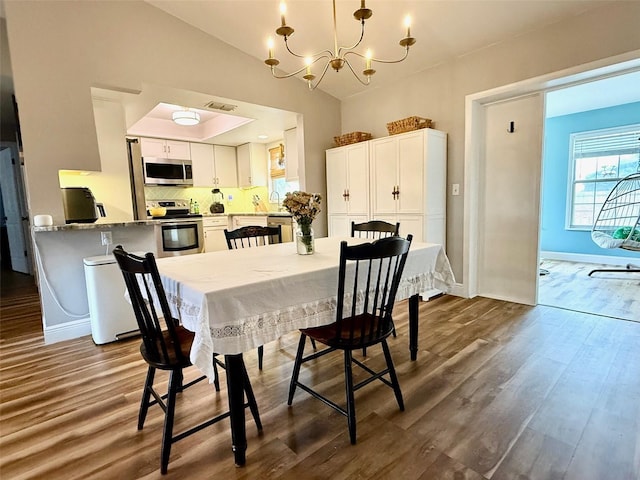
{"points": [[111, 185], [61, 49], [439, 93]]}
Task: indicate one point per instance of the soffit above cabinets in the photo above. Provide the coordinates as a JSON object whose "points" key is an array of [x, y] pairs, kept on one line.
{"points": [[223, 121], [158, 123]]}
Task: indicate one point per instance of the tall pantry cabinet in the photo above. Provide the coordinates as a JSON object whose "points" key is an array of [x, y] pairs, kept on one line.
{"points": [[407, 183], [347, 187]]}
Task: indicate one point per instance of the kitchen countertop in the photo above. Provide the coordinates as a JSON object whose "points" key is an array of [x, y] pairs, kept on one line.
{"points": [[248, 214], [98, 226], [133, 223]]}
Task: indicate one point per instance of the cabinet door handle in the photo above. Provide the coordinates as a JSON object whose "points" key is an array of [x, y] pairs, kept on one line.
{"points": [[345, 195]]}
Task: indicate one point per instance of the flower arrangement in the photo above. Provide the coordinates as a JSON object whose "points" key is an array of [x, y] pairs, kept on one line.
{"points": [[303, 207]]}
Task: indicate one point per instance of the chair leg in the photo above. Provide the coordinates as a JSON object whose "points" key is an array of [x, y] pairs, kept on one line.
{"points": [[296, 368], [146, 395], [392, 375], [351, 404], [175, 383], [313, 344], [260, 355], [251, 398]]}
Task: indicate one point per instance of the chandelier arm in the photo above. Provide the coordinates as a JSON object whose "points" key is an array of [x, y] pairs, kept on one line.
{"points": [[287, 75], [354, 73], [300, 70], [378, 60], [320, 54], [355, 45], [326, 67]]}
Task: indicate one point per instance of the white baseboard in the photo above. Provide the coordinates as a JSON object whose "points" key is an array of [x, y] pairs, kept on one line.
{"points": [[67, 331], [584, 258]]}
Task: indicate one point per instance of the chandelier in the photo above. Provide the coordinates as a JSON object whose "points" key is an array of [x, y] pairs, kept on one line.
{"points": [[337, 58]]}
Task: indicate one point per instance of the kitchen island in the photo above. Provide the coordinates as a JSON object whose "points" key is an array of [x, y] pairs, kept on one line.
{"points": [[59, 252]]}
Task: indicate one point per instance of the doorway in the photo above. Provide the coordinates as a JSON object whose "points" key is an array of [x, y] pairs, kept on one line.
{"points": [[15, 217], [608, 109], [475, 267]]}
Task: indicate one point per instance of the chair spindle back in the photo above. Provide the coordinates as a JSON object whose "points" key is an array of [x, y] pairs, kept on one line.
{"points": [[369, 277], [253, 236], [146, 294]]}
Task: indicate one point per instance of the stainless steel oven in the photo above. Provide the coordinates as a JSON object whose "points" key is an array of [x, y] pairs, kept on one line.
{"points": [[179, 237]]}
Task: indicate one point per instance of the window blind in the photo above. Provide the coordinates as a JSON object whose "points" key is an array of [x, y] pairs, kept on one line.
{"points": [[622, 143]]}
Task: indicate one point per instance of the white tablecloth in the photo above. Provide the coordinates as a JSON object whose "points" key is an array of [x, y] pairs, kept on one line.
{"points": [[237, 300]]}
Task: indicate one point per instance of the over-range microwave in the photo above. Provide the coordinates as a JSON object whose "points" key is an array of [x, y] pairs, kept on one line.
{"points": [[167, 171]]}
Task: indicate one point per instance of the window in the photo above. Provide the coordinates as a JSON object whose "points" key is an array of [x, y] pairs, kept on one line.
{"points": [[598, 160]]}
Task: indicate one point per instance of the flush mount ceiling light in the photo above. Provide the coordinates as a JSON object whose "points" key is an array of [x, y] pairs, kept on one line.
{"points": [[186, 117], [337, 58]]}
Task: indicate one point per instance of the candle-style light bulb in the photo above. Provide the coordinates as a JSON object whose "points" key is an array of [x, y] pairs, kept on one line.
{"points": [[407, 23], [270, 46], [283, 11], [308, 61], [368, 56]]}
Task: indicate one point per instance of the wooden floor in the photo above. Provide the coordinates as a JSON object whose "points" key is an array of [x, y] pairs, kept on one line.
{"points": [[499, 391], [568, 285]]}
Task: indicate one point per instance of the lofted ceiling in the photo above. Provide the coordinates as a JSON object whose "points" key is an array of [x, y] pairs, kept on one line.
{"points": [[444, 29]]}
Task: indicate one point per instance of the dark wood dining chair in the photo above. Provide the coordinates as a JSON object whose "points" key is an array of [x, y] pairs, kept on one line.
{"points": [[253, 236], [165, 346], [374, 229], [371, 273]]}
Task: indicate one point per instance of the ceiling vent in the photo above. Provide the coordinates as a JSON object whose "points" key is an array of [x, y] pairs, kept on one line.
{"points": [[225, 107]]}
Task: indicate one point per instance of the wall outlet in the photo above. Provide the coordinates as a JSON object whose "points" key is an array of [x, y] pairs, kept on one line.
{"points": [[106, 238], [455, 189]]}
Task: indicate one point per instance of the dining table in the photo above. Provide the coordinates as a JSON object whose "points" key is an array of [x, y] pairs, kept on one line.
{"points": [[237, 300]]}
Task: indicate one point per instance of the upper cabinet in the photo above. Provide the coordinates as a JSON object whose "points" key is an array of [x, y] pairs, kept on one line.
{"points": [[347, 187], [408, 183], [252, 165], [400, 178], [291, 155], [162, 148], [213, 165], [225, 168]]}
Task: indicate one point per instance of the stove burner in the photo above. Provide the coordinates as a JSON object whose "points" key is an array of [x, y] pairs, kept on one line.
{"points": [[175, 209]]}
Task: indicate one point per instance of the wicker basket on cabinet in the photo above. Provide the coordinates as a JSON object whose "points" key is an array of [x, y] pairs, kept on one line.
{"points": [[408, 124], [353, 137]]}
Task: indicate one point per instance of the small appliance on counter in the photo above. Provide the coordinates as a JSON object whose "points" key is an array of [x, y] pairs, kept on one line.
{"points": [[166, 209], [217, 206], [80, 205]]}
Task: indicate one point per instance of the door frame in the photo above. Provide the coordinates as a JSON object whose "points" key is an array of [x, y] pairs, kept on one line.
{"points": [[474, 136]]}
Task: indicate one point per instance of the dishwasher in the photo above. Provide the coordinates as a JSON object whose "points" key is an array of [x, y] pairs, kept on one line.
{"points": [[286, 226]]}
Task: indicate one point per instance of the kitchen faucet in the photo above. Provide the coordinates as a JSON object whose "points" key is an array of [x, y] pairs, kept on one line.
{"points": [[277, 198]]}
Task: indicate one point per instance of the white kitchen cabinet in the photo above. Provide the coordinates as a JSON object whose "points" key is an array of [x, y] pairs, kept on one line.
{"points": [[408, 183], [213, 228], [347, 187], [291, 155], [225, 166], [238, 221], [252, 165], [202, 165], [163, 148], [213, 165]]}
